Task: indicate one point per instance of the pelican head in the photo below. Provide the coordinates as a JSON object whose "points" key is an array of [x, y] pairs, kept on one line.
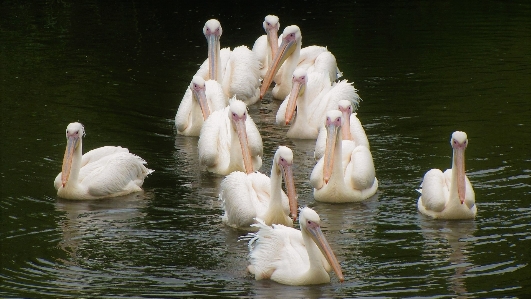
{"points": [[284, 160], [271, 27], [291, 39], [197, 86], [212, 31], [459, 142], [238, 116], [333, 138], [298, 86], [345, 106], [311, 224], [74, 134]]}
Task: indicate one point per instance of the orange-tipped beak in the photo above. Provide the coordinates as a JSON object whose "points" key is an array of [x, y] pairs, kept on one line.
{"points": [[284, 51], [290, 188], [322, 243]]}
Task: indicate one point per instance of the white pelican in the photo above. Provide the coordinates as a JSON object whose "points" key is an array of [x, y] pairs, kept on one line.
{"points": [[312, 95], [254, 195], [103, 172], [346, 172], [201, 99], [350, 120], [229, 141], [449, 195], [293, 257], [265, 47], [290, 56], [238, 71]]}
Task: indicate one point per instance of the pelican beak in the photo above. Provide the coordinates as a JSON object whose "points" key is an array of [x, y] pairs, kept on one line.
{"points": [[242, 136], [272, 37], [290, 187], [284, 51], [320, 240], [461, 177], [297, 90], [200, 96], [71, 145], [213, 57], [346, 124], [331, 136]]}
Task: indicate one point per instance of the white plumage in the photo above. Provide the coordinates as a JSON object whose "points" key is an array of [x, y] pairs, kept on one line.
{"points": [[103, 172], [254, 195], [449, 195], [293, 257], [266, 46]]}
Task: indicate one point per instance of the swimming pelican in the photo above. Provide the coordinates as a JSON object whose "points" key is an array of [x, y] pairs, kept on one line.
{"points": [[238, 71], [201, 99], [229, 141], [290, 56], [350, 120], [449, 195], [255, 195], [293, 257], [103, 172], [346, 172], [265, 47], [312, 95]]}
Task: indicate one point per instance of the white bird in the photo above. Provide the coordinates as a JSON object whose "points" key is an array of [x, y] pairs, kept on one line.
{"points": [[346, 172], [449, 195], [312, 95], [255, 195], [266, 46], [229, 141], [290, 56], [350, 120], [293, 257], [238, 71], [201, 99], [103, 172]]}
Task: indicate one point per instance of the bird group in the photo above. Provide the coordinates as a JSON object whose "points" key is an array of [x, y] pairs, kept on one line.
{"points": [[316, 105]]}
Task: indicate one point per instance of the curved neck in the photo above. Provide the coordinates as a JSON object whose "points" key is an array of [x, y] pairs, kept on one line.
{"points": [[73, 180], [275, 212]]}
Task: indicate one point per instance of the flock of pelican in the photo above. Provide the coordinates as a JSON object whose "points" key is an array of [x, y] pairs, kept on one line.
{"points": [[316, 105]]}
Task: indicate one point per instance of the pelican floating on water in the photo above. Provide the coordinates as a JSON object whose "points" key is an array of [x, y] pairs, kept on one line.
{"points": [[255, 195], [266, 46], [312, 95], [107, 171], [229, 141], [293, 257], [449, 195], [238, 71], [201, 99], [346, 172]]}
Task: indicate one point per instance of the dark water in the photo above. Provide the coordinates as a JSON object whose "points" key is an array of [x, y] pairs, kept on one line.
{"points": [[424, 69]]}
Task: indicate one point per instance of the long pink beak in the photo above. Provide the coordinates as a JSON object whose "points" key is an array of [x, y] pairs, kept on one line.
{"points": [[242, 136], [292, 101], [284, 51], [459, 154], [329, 151], [318, 237], [67, 159], [290, 188]]}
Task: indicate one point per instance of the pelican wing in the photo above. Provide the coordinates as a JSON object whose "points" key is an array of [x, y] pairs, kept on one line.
{"points": [[242, 75], [357, 131], [262, 52], [254, 139], [360, 171], [183, 118], [435, 191], [213, 144]]}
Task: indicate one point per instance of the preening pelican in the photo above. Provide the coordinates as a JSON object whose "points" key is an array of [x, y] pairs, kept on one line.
{"points": [[350, 120], [290, 56], [265, 47], [254, 195], [293, 257], [238, 71], [229, 141], [312, 95], [449, 195], [103, 172], [346, 172], [201, 99]]}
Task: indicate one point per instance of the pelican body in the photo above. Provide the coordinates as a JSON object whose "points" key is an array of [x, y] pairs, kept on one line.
{"points": [[266, 46], [346, 172], [449, 195], [254, 195], [229, 141], [293, 257], [103, 172]]}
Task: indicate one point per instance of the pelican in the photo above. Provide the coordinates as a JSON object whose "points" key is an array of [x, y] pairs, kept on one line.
{"points": [[346, 172], [103, 172], [312, 95], [229, 141], [201, 99], [290, 56], [265, 47], [449, 195], [293, 257], [238, 71], [356, 133], [254, 195]]}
